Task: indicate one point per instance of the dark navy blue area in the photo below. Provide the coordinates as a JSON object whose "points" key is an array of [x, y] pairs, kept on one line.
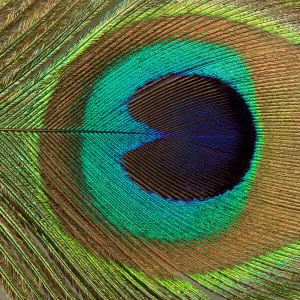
{"points": [[209, 139]]}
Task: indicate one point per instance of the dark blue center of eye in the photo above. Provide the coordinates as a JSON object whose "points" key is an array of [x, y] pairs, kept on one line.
{"points": [[208, 141]]}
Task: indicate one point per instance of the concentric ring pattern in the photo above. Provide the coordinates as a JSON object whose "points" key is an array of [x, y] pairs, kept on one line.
{"points": [[150, 149]]}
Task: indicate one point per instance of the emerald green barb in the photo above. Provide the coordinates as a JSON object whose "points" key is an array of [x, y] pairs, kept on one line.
{"points": [[118, 198]]}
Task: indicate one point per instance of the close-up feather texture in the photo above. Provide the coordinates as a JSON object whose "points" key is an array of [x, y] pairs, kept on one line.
{"points": [[150, 149]]}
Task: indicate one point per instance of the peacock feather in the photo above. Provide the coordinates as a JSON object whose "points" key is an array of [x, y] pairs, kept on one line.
{"points": [[150, 149]]}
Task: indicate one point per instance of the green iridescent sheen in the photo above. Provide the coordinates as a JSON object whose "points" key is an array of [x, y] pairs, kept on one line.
{"points": [[117, 197]]}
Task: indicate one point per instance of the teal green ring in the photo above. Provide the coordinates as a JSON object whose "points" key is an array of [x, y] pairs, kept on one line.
{"points": [[125, 205]]}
